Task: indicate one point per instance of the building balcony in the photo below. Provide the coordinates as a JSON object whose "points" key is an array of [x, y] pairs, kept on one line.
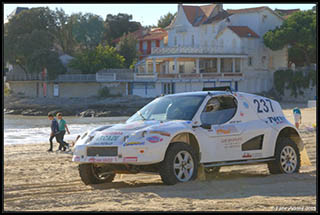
{"points": [[193, 50]]}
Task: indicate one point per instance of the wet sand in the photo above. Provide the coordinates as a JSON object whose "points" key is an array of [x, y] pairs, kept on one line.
{"points": [[35, 180]]}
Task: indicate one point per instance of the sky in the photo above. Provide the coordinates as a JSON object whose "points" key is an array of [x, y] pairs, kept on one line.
{"points": [[146, 14]]}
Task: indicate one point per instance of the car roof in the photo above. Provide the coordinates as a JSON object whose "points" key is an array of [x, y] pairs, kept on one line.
{"points": [[200, 93]]}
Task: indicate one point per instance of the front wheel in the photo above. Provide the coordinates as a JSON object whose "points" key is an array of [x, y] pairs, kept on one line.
{"points": [[94, 174], [287, 158], [179, 165]]}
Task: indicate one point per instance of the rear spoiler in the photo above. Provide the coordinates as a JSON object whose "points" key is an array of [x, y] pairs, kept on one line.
{"points": [[224, 88]]}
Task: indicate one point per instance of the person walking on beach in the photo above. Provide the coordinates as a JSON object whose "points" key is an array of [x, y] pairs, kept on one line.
{"points": [[297, 116], [54, 130], [62, 128]]}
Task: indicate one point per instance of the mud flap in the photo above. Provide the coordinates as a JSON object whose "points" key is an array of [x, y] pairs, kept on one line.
{"points": [[305, 161], [201, 173]]}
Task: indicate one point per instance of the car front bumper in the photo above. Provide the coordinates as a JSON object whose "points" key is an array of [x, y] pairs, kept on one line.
{"points": [[139, 155]]}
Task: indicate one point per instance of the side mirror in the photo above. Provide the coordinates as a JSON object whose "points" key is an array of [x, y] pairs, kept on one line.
{"points": [[206, 126]]}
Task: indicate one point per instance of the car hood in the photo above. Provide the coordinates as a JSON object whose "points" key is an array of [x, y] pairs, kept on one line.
{"points": [[116, 134]]}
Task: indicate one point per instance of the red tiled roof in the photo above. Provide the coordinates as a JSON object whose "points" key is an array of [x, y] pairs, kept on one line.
{"points": [[243, 31], [220, 16], [194, 13], [136, 34], [287, 12], [246, 10], [154, 35]]}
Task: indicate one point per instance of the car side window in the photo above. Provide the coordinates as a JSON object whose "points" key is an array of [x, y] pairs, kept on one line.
{"points": [[219, 110]]}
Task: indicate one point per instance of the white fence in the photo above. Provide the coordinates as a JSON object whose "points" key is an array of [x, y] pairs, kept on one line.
{"points": [[192, 50], [100, 77]]}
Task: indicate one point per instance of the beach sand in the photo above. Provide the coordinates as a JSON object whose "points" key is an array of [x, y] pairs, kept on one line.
{"points": [[35, 180]]}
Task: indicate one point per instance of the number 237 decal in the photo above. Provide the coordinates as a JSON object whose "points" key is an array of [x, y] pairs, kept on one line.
{"points": [[263, 106]]}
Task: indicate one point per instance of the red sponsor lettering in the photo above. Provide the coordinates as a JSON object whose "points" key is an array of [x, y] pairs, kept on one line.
{"points": [[91, 159], [130, 159], [246, 155]]}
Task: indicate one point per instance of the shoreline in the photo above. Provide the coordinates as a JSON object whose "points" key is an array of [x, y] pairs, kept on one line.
{"points": [[83, 107]]}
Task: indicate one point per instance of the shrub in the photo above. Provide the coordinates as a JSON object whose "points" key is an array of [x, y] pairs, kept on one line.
{"points": [[293, 80], [6, 90], [104, 92]]}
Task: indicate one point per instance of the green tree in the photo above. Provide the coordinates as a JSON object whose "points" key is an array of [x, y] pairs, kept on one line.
{"points": [[299, 32], [87, 29], [127, 48], [102, 57], [63, 32], [118, 25], [29, 32], [44, 58], [165, 20]]}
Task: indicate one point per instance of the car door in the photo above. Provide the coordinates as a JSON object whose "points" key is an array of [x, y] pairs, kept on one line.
{"points": [[269, 114], [221, 142]]}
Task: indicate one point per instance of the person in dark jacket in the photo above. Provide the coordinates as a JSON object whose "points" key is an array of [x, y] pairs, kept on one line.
{"points": [[55, 133]]}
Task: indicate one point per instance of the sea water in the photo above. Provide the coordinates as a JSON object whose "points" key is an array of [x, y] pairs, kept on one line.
{"points": [[36, 129]]}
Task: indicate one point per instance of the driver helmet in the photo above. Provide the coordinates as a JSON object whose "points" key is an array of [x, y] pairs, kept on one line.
{"points": [[213, 105]]}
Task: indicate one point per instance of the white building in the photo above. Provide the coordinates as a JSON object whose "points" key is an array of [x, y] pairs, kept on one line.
{"points": [[208, 47]]}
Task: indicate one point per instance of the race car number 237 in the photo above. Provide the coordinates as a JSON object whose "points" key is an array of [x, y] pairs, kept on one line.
{"points": [[263, 105]]}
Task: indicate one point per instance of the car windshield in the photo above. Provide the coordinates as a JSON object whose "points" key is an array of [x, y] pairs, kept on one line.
{"points": [[169, 108]]}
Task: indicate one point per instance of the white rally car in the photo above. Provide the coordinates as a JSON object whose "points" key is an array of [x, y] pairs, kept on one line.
{"points": [[174, 134]]}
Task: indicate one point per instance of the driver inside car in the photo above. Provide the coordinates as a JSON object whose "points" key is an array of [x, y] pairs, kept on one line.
{"points": [[213, 105]]}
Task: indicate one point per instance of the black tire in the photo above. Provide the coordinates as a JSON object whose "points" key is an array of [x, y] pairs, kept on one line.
{"points": [[212, 170], [167, 170], [275, 166], [89, 175]]}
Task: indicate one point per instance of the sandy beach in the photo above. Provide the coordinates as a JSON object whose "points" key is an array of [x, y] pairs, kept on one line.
{"points": [[35, 180]]}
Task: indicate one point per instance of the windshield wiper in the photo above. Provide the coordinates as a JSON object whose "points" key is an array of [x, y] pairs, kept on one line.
{"points": [[140, 114]]}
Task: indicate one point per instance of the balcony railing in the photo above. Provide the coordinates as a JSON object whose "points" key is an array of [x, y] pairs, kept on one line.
{"points": [[142, 76], [193, 50], [185, 76]]}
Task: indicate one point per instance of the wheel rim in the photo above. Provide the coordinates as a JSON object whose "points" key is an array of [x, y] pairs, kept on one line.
{"points": [[183, 166], [288, 159]]}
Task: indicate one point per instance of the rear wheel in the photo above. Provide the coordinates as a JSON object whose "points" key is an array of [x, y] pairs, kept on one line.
{"points": [[95, 174], [287, 158], [179, 165]]}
